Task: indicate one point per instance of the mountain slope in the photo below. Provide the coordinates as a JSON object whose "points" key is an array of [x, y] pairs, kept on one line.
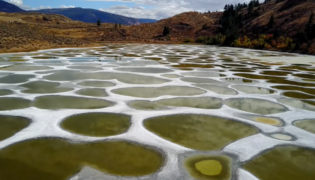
{"points": [[7, 7], [90, 15]]}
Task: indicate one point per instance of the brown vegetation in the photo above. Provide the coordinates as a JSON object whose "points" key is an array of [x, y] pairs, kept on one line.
{"points": [[29, 31]]}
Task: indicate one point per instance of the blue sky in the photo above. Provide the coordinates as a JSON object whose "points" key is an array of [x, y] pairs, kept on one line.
{"points": [[76, 3], [154, 9]]}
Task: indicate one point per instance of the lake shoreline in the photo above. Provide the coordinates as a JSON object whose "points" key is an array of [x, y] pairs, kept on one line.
{"points": [[101, 44]]}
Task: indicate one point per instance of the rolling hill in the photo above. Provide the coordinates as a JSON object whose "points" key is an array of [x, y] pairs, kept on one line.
{"points": [[90, 15], [79, 14], [7, 7], [292, 28]]}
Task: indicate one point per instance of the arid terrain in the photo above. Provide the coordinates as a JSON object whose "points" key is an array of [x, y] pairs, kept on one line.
{"points": [[30, 31]]}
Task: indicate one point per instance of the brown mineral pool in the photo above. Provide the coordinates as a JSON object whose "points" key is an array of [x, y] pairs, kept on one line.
{"points": [[209, 167], [298, 95], [70, 102], [9, 125], [199, 132], [58, 159], [238, 80], [97, 124], [202, 74], [275, 73], [296, 88], [307, 125], [284, 163]]}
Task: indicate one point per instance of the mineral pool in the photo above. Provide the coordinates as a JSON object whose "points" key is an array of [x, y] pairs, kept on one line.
{"points": [[157, 112]]}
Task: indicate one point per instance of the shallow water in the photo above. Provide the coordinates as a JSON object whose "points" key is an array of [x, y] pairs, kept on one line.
{"points": [[92, 92], [44, 87], [307, 125], [70, 113], [54, 159], [257, 106], [96, 84], [146, 92], [275, 162], [70, 102], [9, 125], [97, 124], [209, 167], [193, 131]]}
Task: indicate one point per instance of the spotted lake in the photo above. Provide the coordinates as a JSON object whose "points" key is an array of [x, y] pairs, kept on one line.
{"points": [[157, 112]]}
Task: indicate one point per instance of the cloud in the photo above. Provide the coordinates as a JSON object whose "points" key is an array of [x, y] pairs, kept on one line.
{"points": [[16, 2], [44, 7], [160, 9], [63, 6], [20, 4]]}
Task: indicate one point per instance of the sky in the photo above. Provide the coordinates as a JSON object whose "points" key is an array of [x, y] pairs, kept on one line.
{"points": [[149, 9]]}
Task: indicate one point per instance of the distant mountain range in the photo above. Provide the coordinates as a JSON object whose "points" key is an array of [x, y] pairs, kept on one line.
{"points": [[7, 7], [80, 14]]}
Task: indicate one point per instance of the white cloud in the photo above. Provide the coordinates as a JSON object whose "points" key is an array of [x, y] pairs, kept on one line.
{"points": [[44, 7], [16, 2], [160, 9], [20, 4], [63, 6]]}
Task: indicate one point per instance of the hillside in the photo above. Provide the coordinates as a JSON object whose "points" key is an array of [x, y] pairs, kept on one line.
{"points": [[245, 25], [90, 15], [7, 7], [291, 18], [30, 31], [182, 27], [79, 14]]}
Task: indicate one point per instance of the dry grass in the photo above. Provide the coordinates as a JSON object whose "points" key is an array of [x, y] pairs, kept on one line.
{"points": [[31, 31]]}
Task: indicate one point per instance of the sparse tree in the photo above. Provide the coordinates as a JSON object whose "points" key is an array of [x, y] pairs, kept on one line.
{"points": [[310, 21], [116, 26], [310, 27], [45, 18], [99, 22], [204, 27], [166, 31], [271, 21], [276, 34]]}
